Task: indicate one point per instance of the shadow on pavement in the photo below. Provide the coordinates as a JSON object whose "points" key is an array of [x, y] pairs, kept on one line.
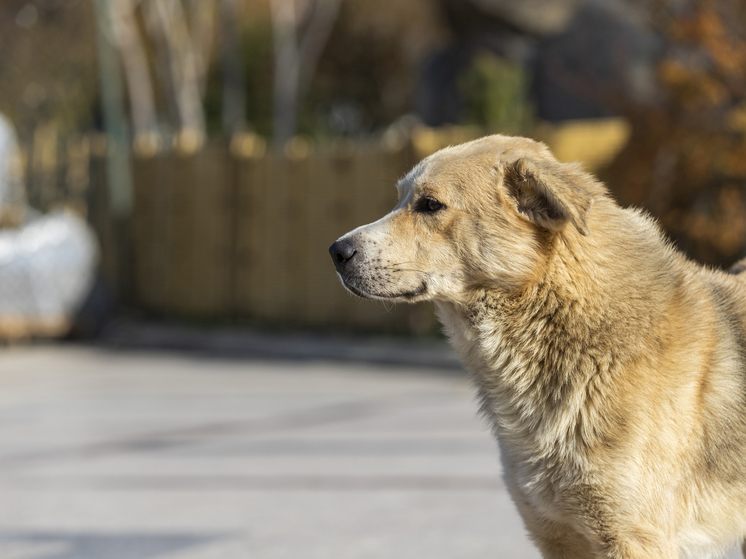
{"points": [[128, 334]]}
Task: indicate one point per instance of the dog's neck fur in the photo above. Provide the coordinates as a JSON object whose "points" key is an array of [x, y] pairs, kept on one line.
{"points": [[546, 359]]}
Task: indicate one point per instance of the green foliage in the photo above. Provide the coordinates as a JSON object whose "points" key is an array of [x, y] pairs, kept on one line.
{"points": [[258, 65], [496, 94], [256, 39]]}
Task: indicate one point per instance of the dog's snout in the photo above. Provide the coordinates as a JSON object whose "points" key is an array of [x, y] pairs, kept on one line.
{"points": [[342, 252]]}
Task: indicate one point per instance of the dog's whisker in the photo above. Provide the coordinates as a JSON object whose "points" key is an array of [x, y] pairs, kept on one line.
{"points": [[389, 306]]}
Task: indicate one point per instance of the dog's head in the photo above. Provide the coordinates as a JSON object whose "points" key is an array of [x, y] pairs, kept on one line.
{"points": [[481, 214]]}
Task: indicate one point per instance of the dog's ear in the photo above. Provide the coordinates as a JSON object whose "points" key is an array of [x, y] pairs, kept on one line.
{"points": [[547, 197]]}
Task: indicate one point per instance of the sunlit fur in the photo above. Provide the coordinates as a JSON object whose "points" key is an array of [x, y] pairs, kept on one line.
{"points": [[612, 369]]}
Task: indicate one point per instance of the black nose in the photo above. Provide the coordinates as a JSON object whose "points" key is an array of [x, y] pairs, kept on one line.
{"points": [[342, 252]]}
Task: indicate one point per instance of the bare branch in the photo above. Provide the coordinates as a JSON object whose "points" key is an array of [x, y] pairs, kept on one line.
{"points": [[202, 26], [135, 62], [315, 37], [287, 69], [296, 57], [168, 25]]}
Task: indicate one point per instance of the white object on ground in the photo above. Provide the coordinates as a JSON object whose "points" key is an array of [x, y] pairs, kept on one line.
{"points": [[47, 268], [12, 190]]}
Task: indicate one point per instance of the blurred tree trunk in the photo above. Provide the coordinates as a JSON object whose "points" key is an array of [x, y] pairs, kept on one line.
{"points": [[118, 172], [163, 66], [300, 32], [234, 80], [182, 58], [202, 25], [139, 83], [115, 119]]}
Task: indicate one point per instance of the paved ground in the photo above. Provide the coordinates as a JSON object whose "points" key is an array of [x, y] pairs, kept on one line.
{"points": [[112, 454], [136, 455]]}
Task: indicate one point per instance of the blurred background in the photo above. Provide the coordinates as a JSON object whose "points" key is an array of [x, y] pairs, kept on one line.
{"points": [[172, 173], [217, 147]]}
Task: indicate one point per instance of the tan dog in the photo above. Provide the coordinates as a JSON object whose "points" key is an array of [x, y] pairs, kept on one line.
{"points": [[612, 369]]}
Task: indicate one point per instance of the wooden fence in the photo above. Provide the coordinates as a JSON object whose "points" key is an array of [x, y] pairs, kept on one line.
{"points": [[219, 234], [234, 231]]}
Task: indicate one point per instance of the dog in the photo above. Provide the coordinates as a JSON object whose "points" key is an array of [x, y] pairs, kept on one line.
{"points": [[611, 368]]}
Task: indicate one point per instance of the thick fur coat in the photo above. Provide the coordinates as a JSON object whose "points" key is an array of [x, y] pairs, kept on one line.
{"points": [[611, 368]]}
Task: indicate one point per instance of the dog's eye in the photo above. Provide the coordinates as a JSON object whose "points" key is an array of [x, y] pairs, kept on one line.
{"points": [[429, 205]]}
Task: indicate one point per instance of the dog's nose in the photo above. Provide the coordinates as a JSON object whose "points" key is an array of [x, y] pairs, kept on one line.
{"points": [[342, 252]]}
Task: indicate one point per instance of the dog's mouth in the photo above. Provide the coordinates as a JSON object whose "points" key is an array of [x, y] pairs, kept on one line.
{"points": [[408, 295]]}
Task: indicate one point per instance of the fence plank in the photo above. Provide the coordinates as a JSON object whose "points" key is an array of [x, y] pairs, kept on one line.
{"points": [[296, 268], [323, 292], [210, 216], [252, 178], [144, 225], [180, 192], [271, 244]]}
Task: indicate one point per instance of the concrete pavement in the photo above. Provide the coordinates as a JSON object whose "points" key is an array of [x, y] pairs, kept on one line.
{"points": [[112, 454]]}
